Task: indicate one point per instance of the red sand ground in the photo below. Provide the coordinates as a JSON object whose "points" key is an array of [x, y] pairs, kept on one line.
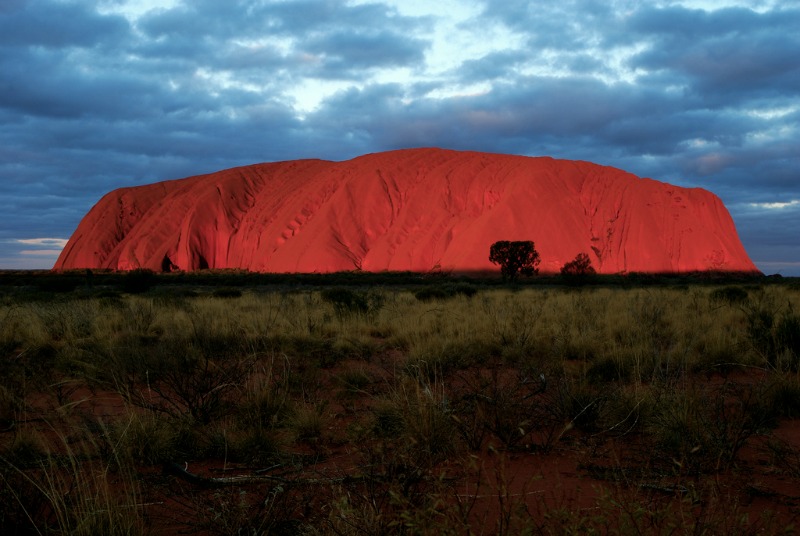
{"points": [[418, 210], [582, 476]]}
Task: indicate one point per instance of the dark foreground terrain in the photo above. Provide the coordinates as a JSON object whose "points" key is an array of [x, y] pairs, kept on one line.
{"points": [[230, 403]]}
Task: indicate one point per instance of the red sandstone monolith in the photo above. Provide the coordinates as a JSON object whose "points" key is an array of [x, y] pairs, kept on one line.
{"points": [[416, 209]]}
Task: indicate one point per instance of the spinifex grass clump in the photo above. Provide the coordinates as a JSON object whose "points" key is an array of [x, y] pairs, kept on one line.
{"points": [[702, 431], [75, 485], [350, 302]]}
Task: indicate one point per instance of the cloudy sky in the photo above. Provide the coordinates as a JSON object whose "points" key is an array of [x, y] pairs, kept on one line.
{"points": [[98, 94]]}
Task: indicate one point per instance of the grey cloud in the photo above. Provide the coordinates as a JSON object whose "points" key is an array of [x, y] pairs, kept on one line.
{"points": [[103, 103], [769, 237], [304, 17], [566, 25], [680, 23], [722, 53], [347, 50], [366, 35], [43, 85], [495, 65], [578, 118], [58, 24]]}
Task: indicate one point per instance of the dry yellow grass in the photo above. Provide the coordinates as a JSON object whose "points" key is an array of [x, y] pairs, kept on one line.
{"points": [[248, 377]]}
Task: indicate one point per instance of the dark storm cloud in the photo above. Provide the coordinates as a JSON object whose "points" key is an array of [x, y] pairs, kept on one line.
{"points": [[496, 65], [620, 117], [727, 55], [345, 51], [90, 101], [345, 37], [57, 24]]}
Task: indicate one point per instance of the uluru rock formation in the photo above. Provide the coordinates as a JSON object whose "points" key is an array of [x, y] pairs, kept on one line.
{"points": [[415, 209]]}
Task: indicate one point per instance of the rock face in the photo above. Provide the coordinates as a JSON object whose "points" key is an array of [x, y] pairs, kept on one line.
{"points": [[417, 209]]}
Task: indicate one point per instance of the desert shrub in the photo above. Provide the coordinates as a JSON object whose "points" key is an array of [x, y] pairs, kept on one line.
{"points": [[434, 357], [10, 337], [427, 429], [267, 405], [760, 324], [138, 281], [22, 505], [608, 369], [148, 438], [578, 269], [348, 302], [703, 432], [66, 320], [345, 301], [728, 295], [354, 381], [108, 299], [73, 492], [627, 410], [226, 292], [177, 379], [307, 422], [215, 331], [255, 445], [509, 405], [59, 283], [178, 299], [139, 315], [774, 334], [355, 347], [431, 293], [236, 511], [10, 404], [29, 354], [580, 404], [513, 324], [388, 420], [442, 292], [463, 289], [25, 450], [787, 338], [783, 397]]}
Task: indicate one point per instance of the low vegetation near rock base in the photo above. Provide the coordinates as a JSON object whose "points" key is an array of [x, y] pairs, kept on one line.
{"points": [[434, 408]]}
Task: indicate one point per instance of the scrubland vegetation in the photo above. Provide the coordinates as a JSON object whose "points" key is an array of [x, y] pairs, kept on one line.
{"points": [[439, 407]]}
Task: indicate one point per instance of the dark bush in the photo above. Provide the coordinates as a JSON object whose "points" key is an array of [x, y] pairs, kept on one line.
{"points": [[775, 337], [178, 379], [58, 283], [431, 293], [578, 269], [139, 281], [465, 289], [784, 398], [787, 336], [607, 370], [345, 301], [443, 292], [728, 295], [227, 292], [389, 421], [348, 302]]}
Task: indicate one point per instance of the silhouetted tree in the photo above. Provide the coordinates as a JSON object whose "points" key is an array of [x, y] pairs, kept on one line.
{"points": [[581, 266], [515, 258]]}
